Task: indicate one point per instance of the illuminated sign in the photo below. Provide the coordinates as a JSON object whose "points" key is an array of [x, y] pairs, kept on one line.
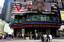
{"points": [[34, 25], [17, 8], [20, 7], [62, 15], [29, 5], [39, 25]]}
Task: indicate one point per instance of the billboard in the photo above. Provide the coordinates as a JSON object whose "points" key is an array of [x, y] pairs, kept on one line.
{"points": [[62, 15], [21, 7], [17, 8], [30, 6]]}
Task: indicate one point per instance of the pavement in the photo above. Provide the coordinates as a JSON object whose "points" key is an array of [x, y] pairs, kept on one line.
{"points": [[54, 40]]}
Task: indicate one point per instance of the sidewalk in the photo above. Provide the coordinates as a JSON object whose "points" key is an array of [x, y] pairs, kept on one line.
{"points": [[20, 40], [58, 40]]}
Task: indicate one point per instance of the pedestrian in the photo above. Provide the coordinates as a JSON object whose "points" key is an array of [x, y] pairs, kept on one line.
{"points": [[22, 35], [45, 37], [36, 35], [50, 36], [42, 38], [30, 35]]}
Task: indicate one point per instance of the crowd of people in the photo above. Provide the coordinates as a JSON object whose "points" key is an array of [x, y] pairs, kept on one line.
{"points": [[37, 36], [46, 38], [9, 33]]}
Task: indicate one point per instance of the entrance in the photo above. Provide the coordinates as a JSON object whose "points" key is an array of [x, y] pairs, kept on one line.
{"points": [[17, 32], [34, 33], [31, 32], [54, 32]]}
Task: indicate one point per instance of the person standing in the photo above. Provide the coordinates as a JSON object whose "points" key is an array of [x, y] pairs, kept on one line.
{"points": [[30, 35], [42, 38], [50, 36], [45, 37], [36, 34], [23, 33]]}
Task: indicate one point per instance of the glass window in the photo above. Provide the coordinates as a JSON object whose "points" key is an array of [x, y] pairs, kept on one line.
{"points": [[28, 18], [14, 0], [60, 5], [54, 19], [35, 18], [48, 18], [50, 0], [43, 18], [59, 0], [40, 18], [20, 0], [19, 19], [16, 21], [11, 20]]}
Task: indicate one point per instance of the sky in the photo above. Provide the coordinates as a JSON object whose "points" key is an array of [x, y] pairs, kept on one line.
{"points": [[1, 5]]}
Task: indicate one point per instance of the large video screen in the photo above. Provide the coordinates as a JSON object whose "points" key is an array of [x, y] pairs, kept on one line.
{"points": [[62, 15], [17, 8], [30, 5]]}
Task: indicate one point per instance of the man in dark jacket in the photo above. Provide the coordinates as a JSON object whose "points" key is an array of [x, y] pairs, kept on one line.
{"points": [[42, 38]]}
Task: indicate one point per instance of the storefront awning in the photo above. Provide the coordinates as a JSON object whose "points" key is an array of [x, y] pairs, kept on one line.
{"points": [[36, 25]]}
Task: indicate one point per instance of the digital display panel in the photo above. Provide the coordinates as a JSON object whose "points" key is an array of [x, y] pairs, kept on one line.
{"points": [[17, 8], [62, 15]]}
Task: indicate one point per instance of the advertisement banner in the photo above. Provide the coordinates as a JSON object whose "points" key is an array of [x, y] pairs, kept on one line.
{"points": [[62, 15], [17, 8]]}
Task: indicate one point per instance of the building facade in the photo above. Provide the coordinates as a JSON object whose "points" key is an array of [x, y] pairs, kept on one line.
{"points": [[6, 10], [24, 19]]}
